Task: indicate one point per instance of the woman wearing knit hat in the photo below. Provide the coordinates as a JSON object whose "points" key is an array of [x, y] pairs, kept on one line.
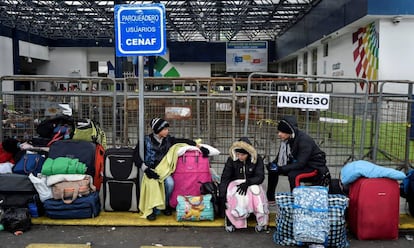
{"points": [[156, 147], [240, 190], [298, 154]]}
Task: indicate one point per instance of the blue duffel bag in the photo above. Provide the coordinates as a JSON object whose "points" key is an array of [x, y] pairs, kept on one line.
{"points": [[83, 207]]}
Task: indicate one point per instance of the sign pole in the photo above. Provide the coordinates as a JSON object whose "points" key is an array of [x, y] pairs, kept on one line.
{"points": [[141, 123], [140, 31]]}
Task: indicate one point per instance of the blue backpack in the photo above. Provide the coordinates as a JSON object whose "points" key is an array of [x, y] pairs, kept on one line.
{"points": [[407, 190]]}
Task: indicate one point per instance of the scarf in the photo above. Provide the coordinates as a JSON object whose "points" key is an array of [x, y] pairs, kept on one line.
{"points": [[284, 152]]}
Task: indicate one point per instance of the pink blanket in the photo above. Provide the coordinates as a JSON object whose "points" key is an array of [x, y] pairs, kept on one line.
{"points": [[239, 207]]}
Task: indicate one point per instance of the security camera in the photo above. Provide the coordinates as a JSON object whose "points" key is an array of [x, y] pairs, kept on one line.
{"points": [[396, 19]]}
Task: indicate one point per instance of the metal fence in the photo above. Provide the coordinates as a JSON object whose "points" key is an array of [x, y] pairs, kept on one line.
{"points": [[364, 120]]}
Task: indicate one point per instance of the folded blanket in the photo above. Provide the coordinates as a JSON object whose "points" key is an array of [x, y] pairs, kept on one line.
{"points": [[63, 165], [361, 168]]}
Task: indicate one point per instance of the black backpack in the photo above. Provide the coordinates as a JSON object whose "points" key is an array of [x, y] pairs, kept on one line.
{"points": [[59, 123]]}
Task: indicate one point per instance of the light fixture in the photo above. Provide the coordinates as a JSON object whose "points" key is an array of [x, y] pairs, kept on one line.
{"points": [[396, 19], [29, 60]]}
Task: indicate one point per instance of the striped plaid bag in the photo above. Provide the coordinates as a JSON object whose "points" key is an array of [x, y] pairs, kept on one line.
{"points": [[337, 205], [284, 220]]}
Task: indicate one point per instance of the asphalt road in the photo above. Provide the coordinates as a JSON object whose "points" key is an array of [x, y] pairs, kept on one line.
{"points": [[136, 237]]}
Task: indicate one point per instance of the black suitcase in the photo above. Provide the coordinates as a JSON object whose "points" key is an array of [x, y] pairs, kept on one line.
{"points": [[83, 207], [121, 180], [82, 150], [16, 190]]}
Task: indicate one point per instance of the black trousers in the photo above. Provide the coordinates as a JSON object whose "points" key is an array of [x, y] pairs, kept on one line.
{"points": [[273, 179]]}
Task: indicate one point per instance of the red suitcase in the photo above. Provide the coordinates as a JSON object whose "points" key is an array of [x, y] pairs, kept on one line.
{"points": [[374, 208]]}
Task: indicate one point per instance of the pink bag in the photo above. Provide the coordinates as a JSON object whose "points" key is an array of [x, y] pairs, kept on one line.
{"points": [[191, 169]]}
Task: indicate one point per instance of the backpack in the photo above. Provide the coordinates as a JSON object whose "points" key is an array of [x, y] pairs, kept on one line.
{"points": [[56, 128], [407, 190], [88, 130]]}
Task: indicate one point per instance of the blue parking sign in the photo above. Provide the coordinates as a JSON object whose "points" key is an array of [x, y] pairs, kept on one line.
{"points": [[140, 30]]}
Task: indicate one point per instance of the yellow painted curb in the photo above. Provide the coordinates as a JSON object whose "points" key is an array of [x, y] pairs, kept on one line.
{"points": [[134, 219]]}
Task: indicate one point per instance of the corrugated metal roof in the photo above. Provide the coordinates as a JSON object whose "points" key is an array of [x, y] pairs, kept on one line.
{"points": [[186, 20]]}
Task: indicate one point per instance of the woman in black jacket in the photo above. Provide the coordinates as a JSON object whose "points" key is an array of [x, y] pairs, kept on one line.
{"points": [[298, 154], [240, 186]]}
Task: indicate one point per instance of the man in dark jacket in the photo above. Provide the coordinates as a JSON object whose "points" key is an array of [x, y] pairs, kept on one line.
{"points": [[298, 154]]}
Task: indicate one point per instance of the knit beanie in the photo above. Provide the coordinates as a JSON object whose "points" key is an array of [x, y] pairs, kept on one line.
{"points": [[158, 124], [284, 127], [241, 150]]}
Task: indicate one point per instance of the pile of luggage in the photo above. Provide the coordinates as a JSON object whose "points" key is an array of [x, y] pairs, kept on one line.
{"points": [[58, 173], [66, 172]]}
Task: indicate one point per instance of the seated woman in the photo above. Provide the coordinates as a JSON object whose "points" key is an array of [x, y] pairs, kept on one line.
{"points": [[298, 155], [240, 188]]}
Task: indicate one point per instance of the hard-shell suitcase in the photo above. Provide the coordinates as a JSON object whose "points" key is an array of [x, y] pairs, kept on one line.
{"points": [[83, 207], [83, 150], [374, 207], [191, 170], [121, 180]]}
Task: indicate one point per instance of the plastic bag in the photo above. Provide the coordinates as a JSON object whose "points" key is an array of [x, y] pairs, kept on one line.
{"points": [[44, 191], [16, 219]]}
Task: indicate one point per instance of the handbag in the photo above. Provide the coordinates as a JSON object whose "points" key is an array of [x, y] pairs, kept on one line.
{"points": [[212, 189], [29, 163], [68, 191], [194, 208]]}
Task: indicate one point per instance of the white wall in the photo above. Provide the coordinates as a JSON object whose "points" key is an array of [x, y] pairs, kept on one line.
{"points": [[6, 61], [396, 49], [64, 61], [27, 49], [193, 69]]}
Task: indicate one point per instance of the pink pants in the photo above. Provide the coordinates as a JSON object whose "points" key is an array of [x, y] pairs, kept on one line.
{"points": [[239, 207]]}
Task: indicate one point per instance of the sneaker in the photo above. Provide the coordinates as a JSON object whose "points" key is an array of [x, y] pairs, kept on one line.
{"points": [[167, 212], [260, 229], [316, 246], [228, 226], [152, 216]]}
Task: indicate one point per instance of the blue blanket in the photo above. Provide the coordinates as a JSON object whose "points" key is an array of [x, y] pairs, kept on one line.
{"points": [[361, 168]]}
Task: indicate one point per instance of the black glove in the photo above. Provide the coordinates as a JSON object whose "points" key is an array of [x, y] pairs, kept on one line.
{"points": [[242, 188], [151, 173], [205, 151]]}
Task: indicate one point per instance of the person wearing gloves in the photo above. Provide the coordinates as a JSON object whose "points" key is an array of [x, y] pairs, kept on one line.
{"points": [[240, 190], [298, 154], [156, 146]]}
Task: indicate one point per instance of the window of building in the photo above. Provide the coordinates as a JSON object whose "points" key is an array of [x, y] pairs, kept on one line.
{"points": [[315, 61], [325, 50], [305, 63]]}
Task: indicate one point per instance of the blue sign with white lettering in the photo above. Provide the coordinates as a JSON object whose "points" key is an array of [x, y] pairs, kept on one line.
{"points": [[140, 30]]}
